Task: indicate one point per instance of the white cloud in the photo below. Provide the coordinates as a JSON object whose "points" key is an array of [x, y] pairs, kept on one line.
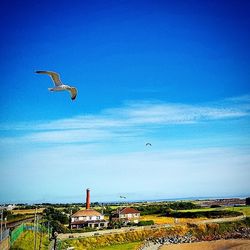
{"points": [[132, 119]]}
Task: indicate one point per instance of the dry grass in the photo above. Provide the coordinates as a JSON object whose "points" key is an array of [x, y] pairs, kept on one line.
{"points": [[168, 220], [126, 246], [114, 240], [27, 211]]}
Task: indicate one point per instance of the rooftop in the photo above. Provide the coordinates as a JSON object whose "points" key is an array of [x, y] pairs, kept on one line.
{"points": [[86, 212], [127, 210]]}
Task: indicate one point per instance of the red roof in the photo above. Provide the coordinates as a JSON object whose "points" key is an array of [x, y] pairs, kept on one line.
{"points": [[129, 210]]}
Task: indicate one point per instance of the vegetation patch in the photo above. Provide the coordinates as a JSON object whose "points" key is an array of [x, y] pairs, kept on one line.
{"points": [[26, 241], [243, 209], [118, 239], [161, 209], [207, 214], [146, 223], [126, 246], [160, 219], [15, 217], [220, 230], [57, 219]]}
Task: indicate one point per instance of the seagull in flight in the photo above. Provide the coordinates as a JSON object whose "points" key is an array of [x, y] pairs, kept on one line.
{"points": [[122, 197], [148, 144], [59, 86]]}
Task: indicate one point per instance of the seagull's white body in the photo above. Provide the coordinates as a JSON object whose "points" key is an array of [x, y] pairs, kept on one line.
{"points": [[59, 86]]}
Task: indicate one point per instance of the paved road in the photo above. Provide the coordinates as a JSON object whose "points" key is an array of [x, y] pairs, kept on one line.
{"points": [[101, 232], [221, 220]]}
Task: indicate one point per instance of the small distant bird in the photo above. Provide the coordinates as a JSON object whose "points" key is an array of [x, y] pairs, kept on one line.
{"points": [[148, 144], [122, 197], [59, 86]]}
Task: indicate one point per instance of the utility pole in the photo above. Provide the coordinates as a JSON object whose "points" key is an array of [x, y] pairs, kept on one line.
{"points": [[119, 215], [41, 237], [5, 222], [1, 237], [37, 224], [35, 221], [48, 229], [70, 217]]}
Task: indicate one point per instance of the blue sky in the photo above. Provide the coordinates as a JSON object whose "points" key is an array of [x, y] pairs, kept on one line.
{"points": [[173, 73]]}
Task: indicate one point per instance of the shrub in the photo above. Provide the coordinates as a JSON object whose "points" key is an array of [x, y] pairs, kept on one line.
{"points": [[183, 205], [214, 206], [55, 215], [146, 223], [58, 227], [248, 201], [161, 209]]}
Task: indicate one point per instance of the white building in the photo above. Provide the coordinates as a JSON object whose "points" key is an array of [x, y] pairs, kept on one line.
{"points": [[126, 215], [88, 218]]}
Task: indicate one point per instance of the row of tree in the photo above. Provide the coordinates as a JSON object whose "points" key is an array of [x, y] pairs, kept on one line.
{"points": [[161, 209]]}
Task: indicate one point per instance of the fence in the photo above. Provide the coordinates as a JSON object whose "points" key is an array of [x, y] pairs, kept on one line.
{"points": [[24, 227], [16, 233], [5, 234], [5, 240], [39, 228]]}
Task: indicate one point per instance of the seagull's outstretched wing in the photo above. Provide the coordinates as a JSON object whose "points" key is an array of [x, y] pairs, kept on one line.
{"points": [[55, 77], [73, 92]]}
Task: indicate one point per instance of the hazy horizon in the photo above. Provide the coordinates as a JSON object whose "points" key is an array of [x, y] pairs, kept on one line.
{"points": [[121, 201]]}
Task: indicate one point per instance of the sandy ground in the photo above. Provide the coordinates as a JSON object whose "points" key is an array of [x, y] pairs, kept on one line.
{"points": [[211, 245]]}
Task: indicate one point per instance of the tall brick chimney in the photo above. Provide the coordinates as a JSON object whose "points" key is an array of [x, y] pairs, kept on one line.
{"points": [[88, 199]]}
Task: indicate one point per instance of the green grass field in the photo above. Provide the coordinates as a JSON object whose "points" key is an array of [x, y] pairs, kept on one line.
{"points": [[170, 220], [200, 209], [244, 209]]}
